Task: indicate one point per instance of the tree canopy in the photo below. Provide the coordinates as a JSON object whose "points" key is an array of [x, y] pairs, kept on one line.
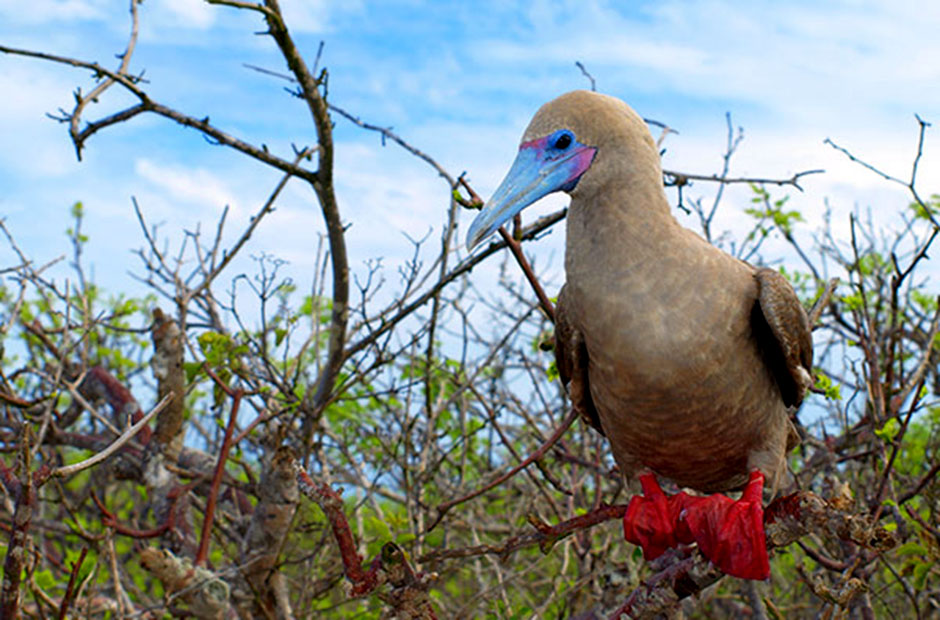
{"points": [[395, 441]]}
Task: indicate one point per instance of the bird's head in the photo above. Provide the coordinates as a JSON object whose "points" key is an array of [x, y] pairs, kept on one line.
{"points": [[566, 139]]}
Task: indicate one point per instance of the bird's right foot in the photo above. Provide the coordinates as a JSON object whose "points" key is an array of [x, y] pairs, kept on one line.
{"points": [[651, 518]]}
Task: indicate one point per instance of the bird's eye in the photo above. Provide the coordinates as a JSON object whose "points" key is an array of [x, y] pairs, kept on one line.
{"points": [[563, 141]]}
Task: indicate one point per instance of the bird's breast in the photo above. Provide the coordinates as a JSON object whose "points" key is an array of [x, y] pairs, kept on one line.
{"points": [[674, 370]]}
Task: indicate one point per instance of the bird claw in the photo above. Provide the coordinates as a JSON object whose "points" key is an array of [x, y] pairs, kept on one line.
{"points": [[729, 533]]}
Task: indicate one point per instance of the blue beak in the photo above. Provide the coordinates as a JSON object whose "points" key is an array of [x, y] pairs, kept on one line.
{"points": [[538, 171]]}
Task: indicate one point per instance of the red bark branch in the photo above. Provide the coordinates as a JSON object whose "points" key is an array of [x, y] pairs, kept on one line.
{"points": [[545, 535], [100, 383], [70, 589], [408, 592], [236, 395], [331, 504], [109, 519]]}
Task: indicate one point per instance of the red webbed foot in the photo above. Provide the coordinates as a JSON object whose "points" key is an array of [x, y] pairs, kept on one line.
{"points": [[729, 533], [650, 521]]}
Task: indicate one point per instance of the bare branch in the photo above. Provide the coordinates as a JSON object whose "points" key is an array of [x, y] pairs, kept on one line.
{"points": [[68, 470], [910, 184], [585, 73], [443, 508], [680, 179]]}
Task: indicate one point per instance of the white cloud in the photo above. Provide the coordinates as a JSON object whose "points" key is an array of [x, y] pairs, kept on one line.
{"points": [[34, 146], [179, 13], [797, 61], [53, 10], [189, 187], [190, 13], [310, 16]]}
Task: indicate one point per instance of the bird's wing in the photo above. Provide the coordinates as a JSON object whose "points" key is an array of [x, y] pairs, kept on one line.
{"points": [[571, 357], [783, 332]]}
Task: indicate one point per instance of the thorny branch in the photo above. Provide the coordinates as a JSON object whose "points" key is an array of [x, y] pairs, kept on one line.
{"points": [[911, 182]]}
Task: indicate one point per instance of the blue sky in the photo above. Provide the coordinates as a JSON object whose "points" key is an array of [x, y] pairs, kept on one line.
{"points": [[459, 81]]}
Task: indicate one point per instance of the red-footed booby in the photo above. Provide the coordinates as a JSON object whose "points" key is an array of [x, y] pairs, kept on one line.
{"points": [[685, 357]]}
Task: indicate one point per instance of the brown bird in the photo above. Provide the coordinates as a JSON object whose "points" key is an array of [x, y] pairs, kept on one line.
{"points": [[685, 357]]}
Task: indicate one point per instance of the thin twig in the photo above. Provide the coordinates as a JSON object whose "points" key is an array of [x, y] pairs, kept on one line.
{"points": [[68, 470], [822, 302], [926, 479], [443, 508], [543, 535], [910, 184], [266, 208], [516, 248], [680, 179], [585, 73]]}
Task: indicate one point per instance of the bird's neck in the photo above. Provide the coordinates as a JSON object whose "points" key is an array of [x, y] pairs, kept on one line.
{"points": [[622, 231]]}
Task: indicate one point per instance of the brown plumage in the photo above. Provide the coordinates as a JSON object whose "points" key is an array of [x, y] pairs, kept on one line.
{"points": [[685, 357]]}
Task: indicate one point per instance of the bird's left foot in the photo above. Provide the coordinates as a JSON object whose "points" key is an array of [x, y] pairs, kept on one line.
{"points": [[729, 533]]}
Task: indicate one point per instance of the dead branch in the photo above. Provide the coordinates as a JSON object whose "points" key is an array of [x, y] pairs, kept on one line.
{"points": [[167, 366]]}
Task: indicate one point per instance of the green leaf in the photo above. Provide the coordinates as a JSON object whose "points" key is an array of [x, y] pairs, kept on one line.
{"points": [[379, 528], [911, 548], [831, 390], [920, 576], [215, 347], [45, 579], [927, 303], [192, 369], [552, 371], [890, 430]]}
